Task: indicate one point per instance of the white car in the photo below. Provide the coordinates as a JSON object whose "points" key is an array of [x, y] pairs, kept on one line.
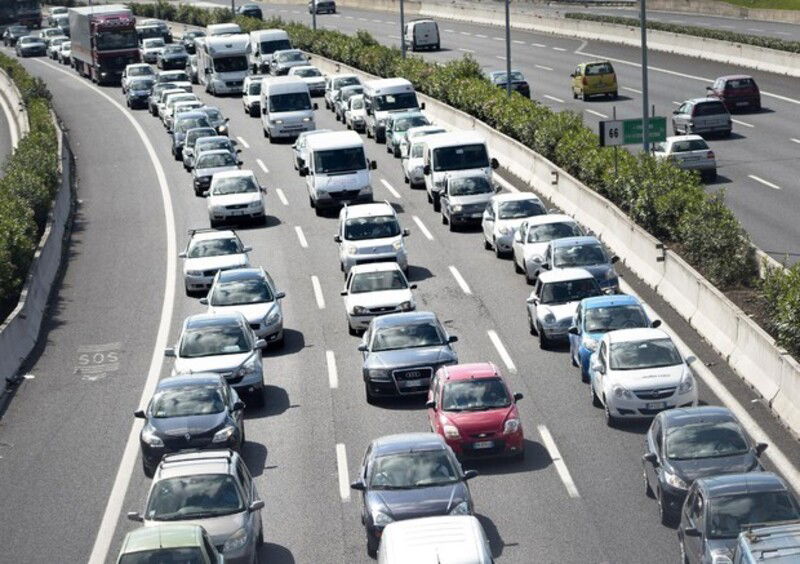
{"points": [[299, 148], [54, 46], [312, 76], [636, 373], [235, 195], [554, 300], [135, 72], [503, 216], [164, 97], [689, 152], [355, 116], [179, 108], [169, 105], [223, 343], [251, 292], [65, 53], [151, 48], [370, 233], [208, 252], [177, 77], [375, 289], [251, 95], [533, 236], [413, 165], [412, 133]]}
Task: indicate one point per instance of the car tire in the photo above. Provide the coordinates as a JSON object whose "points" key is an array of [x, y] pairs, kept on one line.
{"points": [[147, 470], [437, 204], [486, 244], [648, 491], [371, 400], [279, 344], [611, 421], [444, 219], [497, 252], [614, 95], [369, 133], [572, 360], [530, 280], [372, 548], [253, 112], [544, 340], [727, 134], [595, 400], [584, 376], [396, 152], [388, 148], [664, 516], [430, 200]]}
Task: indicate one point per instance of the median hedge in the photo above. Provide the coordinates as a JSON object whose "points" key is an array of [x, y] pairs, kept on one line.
{"points": [[28, 186], [709, 33]]}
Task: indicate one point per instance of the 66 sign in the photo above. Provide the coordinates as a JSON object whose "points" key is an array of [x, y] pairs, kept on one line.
{"points": [[611, 133]]}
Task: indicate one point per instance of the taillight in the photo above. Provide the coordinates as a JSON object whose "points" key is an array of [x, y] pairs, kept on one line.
{"points": [[710, 155]]}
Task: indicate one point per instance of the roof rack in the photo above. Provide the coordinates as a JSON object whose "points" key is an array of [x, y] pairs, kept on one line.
{"points": [[208, 230], [226, 455]]}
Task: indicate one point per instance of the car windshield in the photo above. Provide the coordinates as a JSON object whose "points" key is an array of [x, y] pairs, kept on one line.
{"points": [[269, 47], [635, 355], [569, 291], [599, 68], [305, 73], [200, 496], [216, 161], [112, 40], [214, 248], [364, 228], [255, 88], [399, 101], [182, 555], [174, 50], [345, 81], [141, 85], [727, 515], [689, 145], [234, 185], [579, 255], [194, 134], [187, 402], [475, 395], [517, 209], [339, 160], [551, 231], [403, 124], [290, 57], [16, 29], [516, 76], [471, 186], [413, 335], [241, 292], [350, 92], [460, 157], [291, 102], [27, 40], [412, 470], [185, 124], [213, 114], [233, 63], [378, 282], [214, 341], [612, 318], [213, 145], [154, 42], [357, 104], [705, 439], [178, 76]]}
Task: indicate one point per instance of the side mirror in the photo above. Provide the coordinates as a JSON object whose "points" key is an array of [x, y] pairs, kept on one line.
{"points": [[139, 414], [426, 170], [240, 162], [469, 474], [280, 295], [207, 71], [227, 120], [358, 485], [518, 396], [422, 106], [406, 232], [598, 367], [257, 505], [135, 516], [760, 448], [651, 458], [656, 323], [608, 291], [247, 249], [676, 112], [182, 254], [533, 300], [452, 339], [553, 210], [362, 347], [238, 405], [614, 259], [574, 330], [691, 532], [261, 344], [263, 111], [572, 75], [303, 170], [498, 188], [413, 287], [316, 106], [518, 236], [430, 404], [204, 301], [169, 351], [337, 238], [709, 88], [373, 165], [546, 266], [495, 163], [343, 293]]}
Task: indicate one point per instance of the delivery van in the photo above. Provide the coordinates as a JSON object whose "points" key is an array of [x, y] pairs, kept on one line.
{"points": [[286, 107]]}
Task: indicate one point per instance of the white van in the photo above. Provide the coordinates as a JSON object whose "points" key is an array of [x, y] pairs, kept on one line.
{"points": [[336, 170], [223, 29], [286, 108], [458, 539], [383, 96], [454, 153], [263, 43], [222, 63], [422, 34]]}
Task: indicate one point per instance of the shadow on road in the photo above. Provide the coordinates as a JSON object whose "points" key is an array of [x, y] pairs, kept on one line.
{"points": [[496, 542], [536, 458], [275, 554]]}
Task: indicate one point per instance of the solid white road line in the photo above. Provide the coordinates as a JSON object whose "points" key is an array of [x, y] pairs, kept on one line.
{"points": [[598, 114], [505, 183], [465, 33], [558, 462], [501, 350], [282, 196], [300, 236], [629, 89], [499, 38], [744, 123], [460, 280], [389, 187], [538, 45], [542, 67], [422, 228], [449, 31], [318, 292], [558, 49], [501, 57], [13, 131], [344, 475], [261, 164], [766, 183], [553, 98], [394, 37], [518, 42], [244, 143], [482, 36], [676, 102], [333, 375], [108, 524], [793, 140], [465, 50]]}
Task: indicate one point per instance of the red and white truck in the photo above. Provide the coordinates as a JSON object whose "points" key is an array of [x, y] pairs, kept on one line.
{"points": [[104, 41]]}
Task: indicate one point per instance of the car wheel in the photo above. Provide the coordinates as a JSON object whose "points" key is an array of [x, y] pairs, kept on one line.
{"points": [[253, 112], [396, 152], [486, 244], [648, 491], [372, 401], [444, 219], [369, 133], [430, 200], [614, 95], [544, 341], [517, 268], [497, 252], [584, 376], [437, 205], [388, 148], [148, 471], [611, 421], [572, 359], [528, 278], [450, 226], [279, 343], [372, 547], [663, 513], [595, 399]]}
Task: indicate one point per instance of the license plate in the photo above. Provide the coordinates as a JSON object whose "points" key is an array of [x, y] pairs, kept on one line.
{"points": [[657, 405], [483, 444], [742, 103], [414, 383], [476, 215]]}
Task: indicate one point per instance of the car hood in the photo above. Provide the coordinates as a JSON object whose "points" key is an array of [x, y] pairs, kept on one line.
{"points": [[470, 200], [218, 528], [648, 378], [534, 249], [382, 245], [233, 199], [290, 64], [691, 470], [254, 313], [295, 116], [346, 181], [417, 502], [220, 363], [559, 311], [195, 424], [509, 223], [314, 80], [597, 270], [410, 357], [361, 112], [221, 261], [214, 170], [172, 56], [377, 299], [476, 422]]}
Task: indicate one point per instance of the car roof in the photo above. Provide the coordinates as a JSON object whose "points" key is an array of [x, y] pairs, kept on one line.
{"points": [[194, 463], [735, 77], [191, 114], [609, 301], [191, 379], [303, 67], [733, 484], [139, 66], [215, 138], [685, 415], [216, 152], [564, 274], [693, 137], [515, 197], [454, 539], [374, 267], [227, 319], [235, 274], [636, 334], [407, 442], [372, 209], [570, 241], [703, 100], [172, 535], [398, 319], [406, 113], [453, 138], [550, 218], [239, 173], [470, 371], [335, 140], [212, 235]]}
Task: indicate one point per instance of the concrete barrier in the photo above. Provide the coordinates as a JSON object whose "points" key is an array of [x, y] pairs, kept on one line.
{"points": [[19, 333], [725, 9], [14, 109]]}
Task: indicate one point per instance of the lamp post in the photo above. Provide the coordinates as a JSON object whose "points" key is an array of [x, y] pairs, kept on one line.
{"points": [[508, 48], [233, 8], [645, 101], [314, 15], [402, 29]]}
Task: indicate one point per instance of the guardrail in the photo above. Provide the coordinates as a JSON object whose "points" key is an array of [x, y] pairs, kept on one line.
{"points": [[750, 351], [14, 109]]}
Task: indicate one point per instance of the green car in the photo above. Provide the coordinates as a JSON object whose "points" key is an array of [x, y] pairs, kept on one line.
{"points": [[396, 126], [169, 543]]}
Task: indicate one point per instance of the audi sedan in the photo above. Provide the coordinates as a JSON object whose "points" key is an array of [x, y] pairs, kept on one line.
{"points": [[408, 476]]}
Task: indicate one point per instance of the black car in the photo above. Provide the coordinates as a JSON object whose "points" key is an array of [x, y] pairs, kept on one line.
{"points": [[518, 82], [188, 40], [172, 57], [323, 6], [250, 10], [30, 46], [12, 34], [408, 476], [683, 445], [190, 411], [138, 92]]}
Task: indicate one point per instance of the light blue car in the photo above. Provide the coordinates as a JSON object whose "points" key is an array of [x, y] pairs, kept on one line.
{"points": [[596, 316], [397, 125]]}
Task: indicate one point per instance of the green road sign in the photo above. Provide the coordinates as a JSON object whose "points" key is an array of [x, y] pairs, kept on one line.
{"points": [[629, 131]]}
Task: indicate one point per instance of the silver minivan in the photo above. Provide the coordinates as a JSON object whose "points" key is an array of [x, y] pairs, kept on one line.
{"points": [[457, 538], [702, 116]]}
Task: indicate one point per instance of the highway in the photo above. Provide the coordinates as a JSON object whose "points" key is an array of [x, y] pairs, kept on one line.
{"points": [[65, 433]]}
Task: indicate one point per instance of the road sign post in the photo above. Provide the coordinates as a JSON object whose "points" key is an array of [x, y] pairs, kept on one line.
{"points": [[629, 131]]}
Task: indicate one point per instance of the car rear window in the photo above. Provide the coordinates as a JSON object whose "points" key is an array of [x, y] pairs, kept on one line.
{"points": [[709, 109], [689, 145], [739, 83], [599, 68]]}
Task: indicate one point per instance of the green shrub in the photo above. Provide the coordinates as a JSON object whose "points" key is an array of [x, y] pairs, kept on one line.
{"points": [[781, 294]]}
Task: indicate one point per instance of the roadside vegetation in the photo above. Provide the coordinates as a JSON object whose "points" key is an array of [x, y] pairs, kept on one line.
{"points": [[767, 4]]}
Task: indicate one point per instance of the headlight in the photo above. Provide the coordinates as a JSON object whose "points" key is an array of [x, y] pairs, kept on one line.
{"points": [[397, 245], [407, 306], [460, 509], [272, 317], [223, 434], [255, 204], [505, 230], [350, 250], [621, 392], [223, 129], [451, 432], [248, 367], [379, 376], [589, 343], [235, 542], [674, 481], [511, 426], [194, 272], [720, 556], [148, 436], [549, 318], [610, 274], [687, 383], [277, 121], [306, 119], [359, 310], [457, 208], [537, 258], [381, 519]]}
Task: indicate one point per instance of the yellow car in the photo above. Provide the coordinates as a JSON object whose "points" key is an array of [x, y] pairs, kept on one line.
{"points": [[596, 78]]}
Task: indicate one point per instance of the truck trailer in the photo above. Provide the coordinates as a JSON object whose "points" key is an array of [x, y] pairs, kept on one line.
{"points": [[104, 41]]}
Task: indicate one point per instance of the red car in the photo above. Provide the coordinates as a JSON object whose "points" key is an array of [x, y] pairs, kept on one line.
{"points": [[471, 406], [737, 92]]}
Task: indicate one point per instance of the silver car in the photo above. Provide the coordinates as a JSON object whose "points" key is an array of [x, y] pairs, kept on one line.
{"points": [[401, 353], [532, 238], [702, 116], [375, 289], [216, 143], [370, 233], [342, 98], [207, 164], [285, 59], [136, 71], [503, 215], [151, 48], [689, 152], [212, 489], [208, 252], [464, 199], [299, 149], [189, 141]]}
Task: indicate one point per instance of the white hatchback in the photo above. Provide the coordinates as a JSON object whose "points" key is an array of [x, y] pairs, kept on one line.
{"points": [[503, 216], [375, 289], [234, 196]]}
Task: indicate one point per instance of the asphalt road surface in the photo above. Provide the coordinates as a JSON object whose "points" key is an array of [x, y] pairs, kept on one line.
{"points": [[64, 435]]}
